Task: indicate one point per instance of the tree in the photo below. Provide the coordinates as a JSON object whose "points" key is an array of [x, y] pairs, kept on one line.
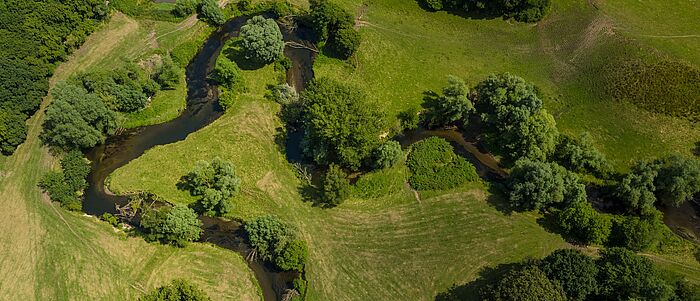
{"points": [[575, 271], [277, 242], [210, 12], [54, 184], [388, 155], [514, 120], [333, 23], [261, 40], [345, 41], [75, 169], [637, 189], [184, 8], [13, 130], [527, 283], [175, 225], [584, 224], [624, 275], [339, 125], [678, 180], [637, 233], [336, 187], [293, 256], [435, 166], [176, 290], [579, 155], [453, 107], [537, 185], [227, 73], [169, 75], [215, 183], [76, 119]]}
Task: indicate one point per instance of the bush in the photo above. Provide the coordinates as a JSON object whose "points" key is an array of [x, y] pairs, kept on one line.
{"points": [[344, 42], [453, 107], [435, 166], [637, 189], [284, 94], [333, 23], [227, 74], [277, 242], [339, 125], [579, 155], [215, 183], [388, 155], [336, 187], [110, 218], [184, 8], [55, 185], [637, 234], [409, 118], [434, 5], [261, 40], [574, 270], [175, 225], [75, 169], [536, 185], [678, 180], [210, 12], [177, 290], [584, 224], [169, 75]]}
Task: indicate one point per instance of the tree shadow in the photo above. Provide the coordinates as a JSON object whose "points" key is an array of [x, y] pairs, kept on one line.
{"points": [[696, 149], [312, 194], [498, 198], [235, 53], [473, 290], [471, 12]]}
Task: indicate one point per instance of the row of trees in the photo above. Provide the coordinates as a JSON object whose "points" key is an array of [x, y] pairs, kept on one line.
{"points": [[34, 41], [520, 10]]}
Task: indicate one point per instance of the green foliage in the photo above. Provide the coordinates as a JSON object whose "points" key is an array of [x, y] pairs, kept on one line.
{"points": [[409, 118], [277, 242], [579, 155], [678, 180], [575, 271], [434, 5], [75, 169], [340, 126], [665, 87], [261, 40], [215, 183], [145, 9], [336, 187], [21, 85], [184, 8], [637, 233], [453, 107], [210, 12], [636, 190], [435, 166], [76, 119], [538, 185], [584, 224], [13, 131], [227, 74], [54, 184], [283, 94], [110, 218], [124, 89], [527, 283], [176, 225], [515, 123], [177, 290], [626, 276], [333, 23], [345, 41], [388, 155], [169, 75], [520, 10]]}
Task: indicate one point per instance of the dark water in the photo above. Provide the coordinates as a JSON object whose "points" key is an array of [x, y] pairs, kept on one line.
{"points": [[202, 109]]}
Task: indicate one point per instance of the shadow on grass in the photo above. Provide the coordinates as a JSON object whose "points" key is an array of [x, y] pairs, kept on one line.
{"points": [[234, 52], [498, 198], [473, 290], [470, 13]]}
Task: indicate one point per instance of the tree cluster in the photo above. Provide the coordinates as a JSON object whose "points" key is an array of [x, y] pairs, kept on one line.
{"points": [[176, 290], [261, 40], [277, 242], [335, 25], [339, 125], [176, 225], [210, 12], [435, 166], [568, 274], [535, 185], [579, 155], [67, 186], [230, 79], [520, 10], [124, 89], [214, 183], [33, 42]]}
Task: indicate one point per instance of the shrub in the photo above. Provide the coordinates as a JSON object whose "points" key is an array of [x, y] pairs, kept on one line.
{"points": [[434, 5], [184, 8], [169, 75], [55, 185], [215, 183], [584, 224], [277, 242], [175, 225], [678, 180], [333, 23], [409, 118], [344, 42], [514, 121], [336, 187], [227, 74], [536, 185], [388, 155], [284, 94], [453, 107], [579, 155], [261, 40], [110, 218], [574, 270], [178, 289], [339, 125], [75, 169], [435, 166], [210, 12]]}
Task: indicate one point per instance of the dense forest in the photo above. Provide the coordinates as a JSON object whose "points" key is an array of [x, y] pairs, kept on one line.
{"points": [[36, 36]]}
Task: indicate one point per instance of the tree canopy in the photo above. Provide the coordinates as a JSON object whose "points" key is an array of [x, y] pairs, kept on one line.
{"points": [[336, 26], [515, 123], [176, 290], [526, 283], [575, 271], [453, 107], [210, 12], [537, 185], [340, 126], [388, 154], [626, 276], [579, 155], [175, 225], [215, 183], [261, 40], [520, 10], [584, 224], [335, 186], [277, 242]]}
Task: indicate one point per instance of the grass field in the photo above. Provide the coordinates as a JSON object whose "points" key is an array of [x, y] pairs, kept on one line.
{"points": [[51, 254]]}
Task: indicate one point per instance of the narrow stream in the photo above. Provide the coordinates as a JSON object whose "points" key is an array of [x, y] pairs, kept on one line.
{"points": [[202, 109]]}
